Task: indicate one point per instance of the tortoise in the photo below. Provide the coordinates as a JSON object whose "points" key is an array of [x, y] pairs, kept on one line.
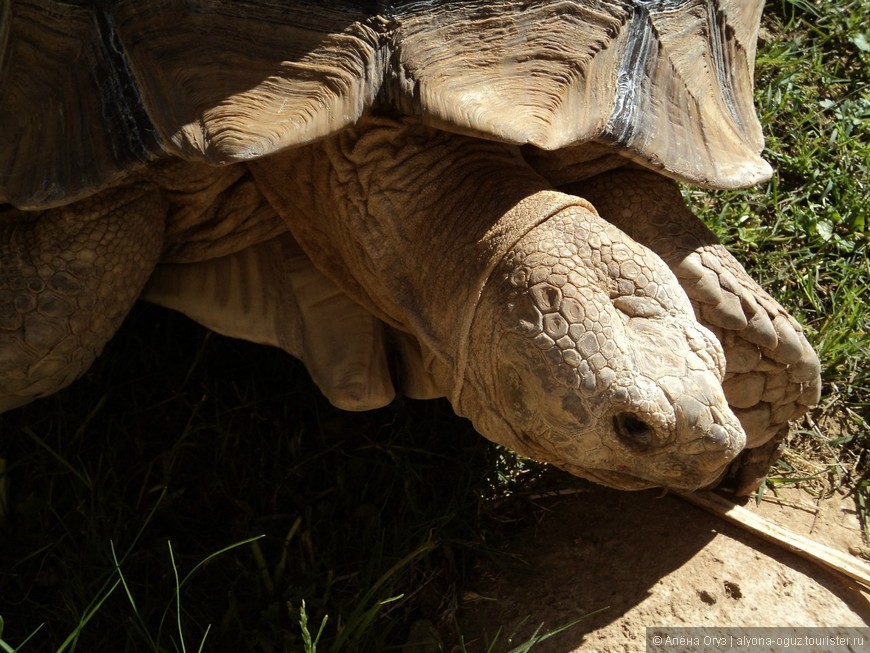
{"points": [[472, 199]]}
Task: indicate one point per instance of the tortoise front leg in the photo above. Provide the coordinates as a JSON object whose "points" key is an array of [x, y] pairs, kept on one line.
{"points": [[772, 373], [68, 277]]}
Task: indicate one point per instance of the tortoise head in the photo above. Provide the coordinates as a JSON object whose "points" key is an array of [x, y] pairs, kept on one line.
{"points": [[588, 357]]}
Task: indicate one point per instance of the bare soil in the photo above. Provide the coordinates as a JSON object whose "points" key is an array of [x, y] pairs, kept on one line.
{"points": [[646, 560]]}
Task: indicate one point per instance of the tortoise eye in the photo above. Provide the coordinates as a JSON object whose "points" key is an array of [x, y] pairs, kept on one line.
{"points": [[633, 432]]}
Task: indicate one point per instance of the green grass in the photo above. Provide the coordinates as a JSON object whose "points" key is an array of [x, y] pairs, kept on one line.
{"points": [[196, 493], [804, 234], [136, 495]]}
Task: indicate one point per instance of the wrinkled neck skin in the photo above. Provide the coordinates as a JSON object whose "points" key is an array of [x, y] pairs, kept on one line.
{"points": [[555, 333], [409, 221]]}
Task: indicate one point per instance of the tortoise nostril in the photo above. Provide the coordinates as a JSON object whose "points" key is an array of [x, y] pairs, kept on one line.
{"points": [[633, 432]]}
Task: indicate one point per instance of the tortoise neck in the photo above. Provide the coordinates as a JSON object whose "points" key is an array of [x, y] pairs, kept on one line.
{"points": [[409, 221]]}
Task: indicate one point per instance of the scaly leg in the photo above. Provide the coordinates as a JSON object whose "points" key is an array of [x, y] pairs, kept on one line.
{"points": [[68, 277]]}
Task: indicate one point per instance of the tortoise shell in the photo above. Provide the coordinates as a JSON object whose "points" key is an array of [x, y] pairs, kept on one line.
{"points": [[90, 91]]}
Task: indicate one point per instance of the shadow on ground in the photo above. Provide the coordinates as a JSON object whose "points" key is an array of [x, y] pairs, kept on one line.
{"points": [[644, 560]]}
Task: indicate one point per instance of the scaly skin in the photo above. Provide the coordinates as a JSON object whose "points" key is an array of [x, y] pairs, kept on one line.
{"points": [[541, 322], [68, 276]]}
